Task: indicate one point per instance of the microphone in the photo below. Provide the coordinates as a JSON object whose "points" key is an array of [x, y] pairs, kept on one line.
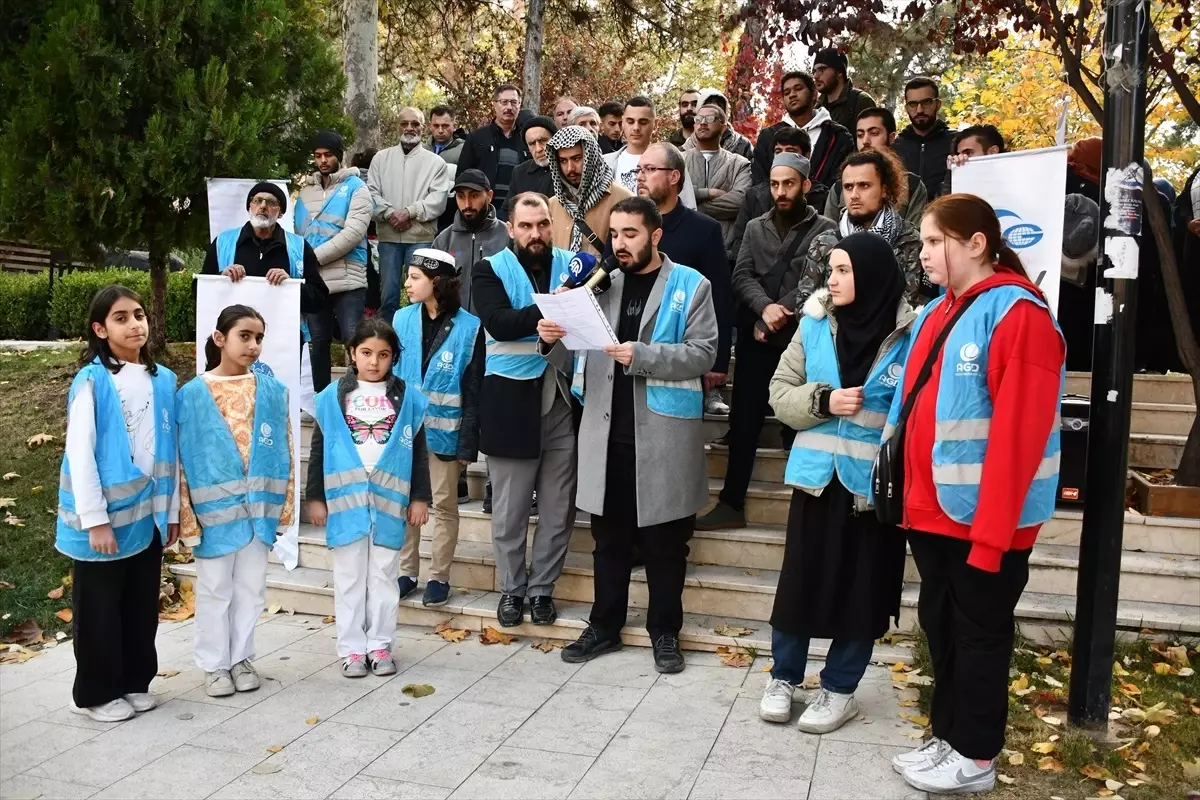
{"points": [[580, 270], [599, 280]]}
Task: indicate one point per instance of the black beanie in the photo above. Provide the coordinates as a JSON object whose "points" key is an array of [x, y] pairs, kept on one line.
{"points": [[267, 186], [331, 141], [830, 57], [540, 122]]}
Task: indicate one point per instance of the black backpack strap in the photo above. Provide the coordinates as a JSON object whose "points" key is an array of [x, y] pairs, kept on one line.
{"points": [[589, 234]]}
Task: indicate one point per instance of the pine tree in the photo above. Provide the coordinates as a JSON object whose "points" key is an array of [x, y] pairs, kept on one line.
{"points": [[114, 112]]}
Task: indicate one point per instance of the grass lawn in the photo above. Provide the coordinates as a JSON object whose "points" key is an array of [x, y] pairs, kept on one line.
{"points": [[33, 400], [1152, 749]]}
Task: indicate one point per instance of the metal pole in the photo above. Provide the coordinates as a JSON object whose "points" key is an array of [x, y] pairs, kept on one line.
{"points": [[1126, 33]]}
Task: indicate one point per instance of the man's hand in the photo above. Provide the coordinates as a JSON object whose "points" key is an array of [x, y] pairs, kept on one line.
{"points": [[775, 316], [1193, 227], [759, 334], [550, 332], [318, 512], [713, 194], [621, 353], [418, 513], [103, 540], [399, 219], [172, 533], [235, 272], [714, 379], [276, 276], [956, 161], [845, 402]]}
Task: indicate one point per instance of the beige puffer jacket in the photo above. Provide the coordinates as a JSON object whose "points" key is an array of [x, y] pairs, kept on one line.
{"points": [[338, 274]]}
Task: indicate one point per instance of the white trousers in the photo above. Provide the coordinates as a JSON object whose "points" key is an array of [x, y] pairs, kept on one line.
{"points": [[366, 596], [230, 594]]}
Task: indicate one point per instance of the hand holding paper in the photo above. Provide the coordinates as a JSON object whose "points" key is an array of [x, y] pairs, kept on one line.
{"points": [[578, 316]]}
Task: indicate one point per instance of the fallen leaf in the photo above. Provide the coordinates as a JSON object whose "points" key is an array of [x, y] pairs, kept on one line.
{"points": [[1049, 681], [1007, 781], [1134, 782], [899, 666], [1016, 759], [313, 720], [916, 719], [418, 689], [1043, 747], [1196, 710], [1140, 766], [35, 490], [920, 680], [1051, 720], [547, 646], [449, 633], [275, 748], [8, 476], [490, 635], [811, 682], [25, 633], [1134, 715], [732, 657], [59, 636], [1186, 672], [1130, 689], [274, 608], [267, 768], [16, 654], [327, 620], [16, 522], [1054, 738], [7, 585], [1152, 731], [1045, 661], [1095, 772], [733, 630], [1179, 655], [1104, 793], [1191, 769], [38, 439], [1163, 668], [1118, 670], [1050, 764], [167, 673], [1113, 785], [56, 593]]}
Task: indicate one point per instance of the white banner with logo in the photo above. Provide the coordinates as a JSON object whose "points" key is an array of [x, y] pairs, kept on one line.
{"points": [[1028, 190], [280, 357], [227, 204]]}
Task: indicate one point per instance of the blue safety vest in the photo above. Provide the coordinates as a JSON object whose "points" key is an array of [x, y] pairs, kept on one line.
{"points": [[318, 227], [359, 503], [234, 504], [519, 360], [227, 250], [682, 399], [442, 382], [847, 444], [137, 503], [964, 411]]}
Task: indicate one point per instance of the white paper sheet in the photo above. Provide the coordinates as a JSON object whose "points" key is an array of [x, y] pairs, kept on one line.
{"points": [[579, 314]]}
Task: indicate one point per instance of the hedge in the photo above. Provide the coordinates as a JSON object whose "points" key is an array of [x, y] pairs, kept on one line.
{"points": [[24, 305], [74, 291]]}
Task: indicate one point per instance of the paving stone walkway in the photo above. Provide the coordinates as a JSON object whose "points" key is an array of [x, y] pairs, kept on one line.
{"points": [[504, 722]]}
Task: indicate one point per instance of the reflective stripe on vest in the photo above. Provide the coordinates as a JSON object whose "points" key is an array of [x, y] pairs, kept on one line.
{"points": [[227, 252], [136, 503], [845, 444], [442, 382], [518, 360], [964, 412], [318, 227], [360, 504]]}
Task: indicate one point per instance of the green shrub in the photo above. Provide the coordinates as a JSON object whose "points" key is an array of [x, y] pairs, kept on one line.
{"points": [[73, 294], [24, 305]]}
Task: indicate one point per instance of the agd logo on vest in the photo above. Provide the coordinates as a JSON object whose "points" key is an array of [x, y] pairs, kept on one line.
{"points": [[446, 361], [891, 378], [264, 435], [968, 354], [677, 301], [406, 436]]}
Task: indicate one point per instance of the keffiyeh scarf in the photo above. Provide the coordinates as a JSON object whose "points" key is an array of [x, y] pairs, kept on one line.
{"points": [[887, 223], [597, 177]]}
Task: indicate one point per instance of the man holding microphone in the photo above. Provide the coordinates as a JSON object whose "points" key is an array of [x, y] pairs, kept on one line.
{"points": [[642, 475]]}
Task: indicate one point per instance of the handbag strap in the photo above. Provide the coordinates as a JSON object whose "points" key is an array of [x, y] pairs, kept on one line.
{"points": [[588, 233], [772, 282], [927, 368]]}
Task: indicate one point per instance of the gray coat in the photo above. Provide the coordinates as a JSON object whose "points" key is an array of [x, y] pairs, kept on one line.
{"points": [[672, 476], [469, 247]]}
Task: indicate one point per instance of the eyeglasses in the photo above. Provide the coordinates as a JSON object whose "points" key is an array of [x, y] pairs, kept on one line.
{"points": [[411, 124], [913, 105], [649, 169], [268, 202], [509, 103], [708, 119]]}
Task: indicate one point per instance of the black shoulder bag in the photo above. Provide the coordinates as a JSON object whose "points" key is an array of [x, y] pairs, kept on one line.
{"points": [[887, 476]]}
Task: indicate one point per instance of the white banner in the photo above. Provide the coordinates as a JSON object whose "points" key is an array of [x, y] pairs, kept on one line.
{"points": [[1028, 190], [227, 204], [280, 307]]}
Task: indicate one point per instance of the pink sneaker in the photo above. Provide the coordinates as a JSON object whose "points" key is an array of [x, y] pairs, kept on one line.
{"points": [[355, 666], [382, 663]]}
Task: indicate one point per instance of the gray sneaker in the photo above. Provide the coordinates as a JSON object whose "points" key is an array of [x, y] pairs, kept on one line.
{"points": [[381, 662], [722, 517], [954, 774], [219, 684], [715, 404], [355, 666], [245, 679]]}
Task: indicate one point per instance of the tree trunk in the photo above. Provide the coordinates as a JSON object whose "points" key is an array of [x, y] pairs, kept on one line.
{"points": [[535, 29], [1188, 473], [360, 37], [158, 297]]}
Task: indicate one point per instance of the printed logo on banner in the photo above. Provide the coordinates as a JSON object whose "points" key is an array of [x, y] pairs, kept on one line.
{"points": [[264, 435], [1019, 234], [262, 369], [892, 377], [968, 354]]}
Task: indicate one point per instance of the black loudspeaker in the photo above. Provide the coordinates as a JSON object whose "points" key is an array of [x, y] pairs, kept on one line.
{"points": [[1076, 410]]}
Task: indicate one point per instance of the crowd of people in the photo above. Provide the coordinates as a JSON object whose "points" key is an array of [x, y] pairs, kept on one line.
{"points": [[870, 310]]}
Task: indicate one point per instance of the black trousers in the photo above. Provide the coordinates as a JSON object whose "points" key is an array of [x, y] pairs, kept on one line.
{"points": [[967, 615], [115, 620], [750, 406], [664, 551]]}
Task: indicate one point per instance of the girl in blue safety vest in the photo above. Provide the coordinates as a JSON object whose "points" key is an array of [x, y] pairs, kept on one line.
{"points": [[442, 354], [368, 479], [235, 442], [843, 570], [118, 506]]}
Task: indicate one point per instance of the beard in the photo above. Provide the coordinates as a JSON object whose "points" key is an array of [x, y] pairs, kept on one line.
{"points": [[410, 139], [330, 167], [261, 221], [473, 218], [862, 220], [537, 256], [688, 119], [792, 208], [922, 122], [640, 261]]}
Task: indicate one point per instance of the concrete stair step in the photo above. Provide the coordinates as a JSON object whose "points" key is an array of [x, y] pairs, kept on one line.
{"points": [[769, 462], [1155, 451], [1172, 419], [1174, 388]]}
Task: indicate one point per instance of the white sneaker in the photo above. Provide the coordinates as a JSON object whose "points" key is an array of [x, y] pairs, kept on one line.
{"points": [[715, 404], [141, 701], [924, 757], [245, 679], [828, 712], [219, 684], [776, 703], [113, 711], [954, 774]]}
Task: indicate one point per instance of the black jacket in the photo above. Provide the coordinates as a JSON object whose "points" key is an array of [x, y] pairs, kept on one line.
{"points": [[420, 488], [479, 152], [845, 109], [472, 383], [926, 155], [260, 256], [831, 150], [693, 239], [530, 177]]}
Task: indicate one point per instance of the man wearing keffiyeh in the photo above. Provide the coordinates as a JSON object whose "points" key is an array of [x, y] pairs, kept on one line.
{"points": [[584, 189]]}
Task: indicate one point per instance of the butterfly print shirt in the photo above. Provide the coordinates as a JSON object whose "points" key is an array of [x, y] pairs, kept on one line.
{"points": [[370, 418]]}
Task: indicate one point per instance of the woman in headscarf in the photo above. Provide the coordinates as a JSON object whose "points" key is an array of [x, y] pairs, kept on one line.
{"points": [[842, 569], [585, 190]]}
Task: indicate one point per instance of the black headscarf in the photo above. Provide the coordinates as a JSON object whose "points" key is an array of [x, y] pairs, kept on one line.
{"points": [[864, 324]]}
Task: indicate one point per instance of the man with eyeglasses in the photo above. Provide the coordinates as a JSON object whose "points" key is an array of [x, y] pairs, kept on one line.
{"points": [[835, 89], [925, 144], [719, 177], [497, 148], [410, 185], [689, 101]]}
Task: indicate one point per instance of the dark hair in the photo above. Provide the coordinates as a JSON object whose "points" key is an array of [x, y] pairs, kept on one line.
{"points": [[229, 316], [802, 76], [95, 347], [890, 169], [441, 111], [505, 87], [611, 109], [688, 91], [717, 99], [642, 206], [640, 101], [921, 82], [889, 119], [373, 328], [961, 216], [796, 138], [989, 135], [362, 159], [447, 291]]}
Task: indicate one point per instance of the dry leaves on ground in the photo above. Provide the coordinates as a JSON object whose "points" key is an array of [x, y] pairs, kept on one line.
{"points": [[65, 614], [1016, 759], [15, 654], [275, 748], [733, 630], [1179, 655], [1050, 764], [327, 620], [547, 645], [16, 522], [7, 585], [313, 720], [490, 635], [38, 439], [418, 689], [916, 719], [167, 673], [450, 633], [1191, 769], [7, 502], [56, 593], [8, 476], [732, 657], [811, 682], [1042, 747], [1095, 772], [25, 633], [177, 604]]}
